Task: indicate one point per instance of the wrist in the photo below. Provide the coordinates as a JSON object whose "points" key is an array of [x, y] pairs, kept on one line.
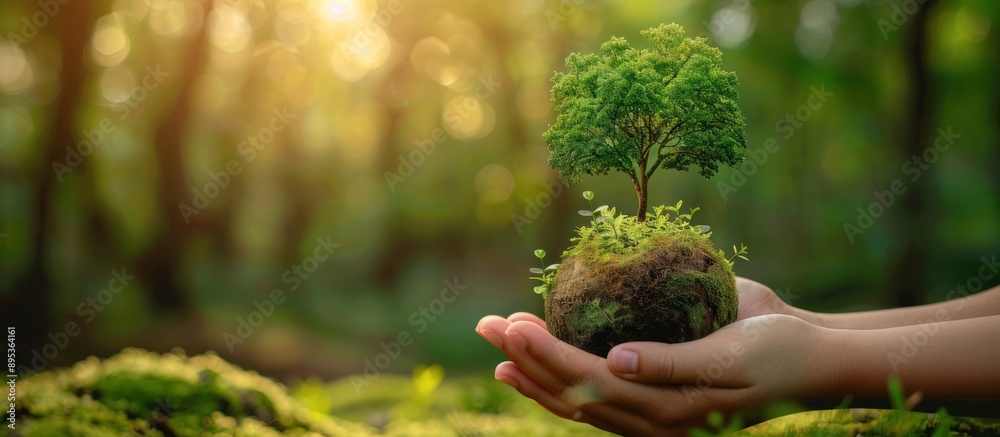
{"points": [[834, 368]]}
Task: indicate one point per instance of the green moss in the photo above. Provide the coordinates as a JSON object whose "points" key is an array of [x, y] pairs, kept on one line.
{"points": [[597, 315], [138, 392], [853, 422], [665, 279]]}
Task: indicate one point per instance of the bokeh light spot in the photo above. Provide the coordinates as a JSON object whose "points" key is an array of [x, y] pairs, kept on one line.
{"points": [[117, 84], [462, 116], [110, 44], [733, 25], [229, 29], [494, 183], [16, 74]]}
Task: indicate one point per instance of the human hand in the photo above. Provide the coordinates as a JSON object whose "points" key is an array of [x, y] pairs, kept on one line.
{"points": [[648, 388], [757, 299]]}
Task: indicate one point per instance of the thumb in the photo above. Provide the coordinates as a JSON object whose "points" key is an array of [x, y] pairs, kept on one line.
{"points": [[662, 363]]}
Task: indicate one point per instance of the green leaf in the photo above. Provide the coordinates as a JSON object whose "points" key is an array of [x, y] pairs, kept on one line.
{"points": [[539, 253], [589, 195], [585, 213], [601, 208], [552, 267], [943, 428], [703, 228], [536, 270], [541, 289], [896, 394], [715, 419]]}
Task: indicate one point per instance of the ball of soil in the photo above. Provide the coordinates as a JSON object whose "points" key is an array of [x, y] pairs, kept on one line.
{"points": [[673, 289]]}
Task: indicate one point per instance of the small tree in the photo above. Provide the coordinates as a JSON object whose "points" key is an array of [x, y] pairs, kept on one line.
{"points": [[635, 111]]}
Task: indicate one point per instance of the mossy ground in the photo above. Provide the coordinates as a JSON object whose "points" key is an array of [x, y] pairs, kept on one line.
{"points": [[864, 422], [658, 280], [142, 393]]}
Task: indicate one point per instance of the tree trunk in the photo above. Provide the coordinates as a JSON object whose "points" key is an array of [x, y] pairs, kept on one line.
{"points": [[908, 269], [643, 191], [28, 305], [158, 265]]}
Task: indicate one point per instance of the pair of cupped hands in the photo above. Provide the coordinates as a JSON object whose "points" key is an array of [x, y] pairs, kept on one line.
{"points": [[649, 388]]}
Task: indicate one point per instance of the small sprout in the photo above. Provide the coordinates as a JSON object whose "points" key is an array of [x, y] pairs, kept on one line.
{"points": [[740, 253], [585, 213], [545, 274], [589, 195]]}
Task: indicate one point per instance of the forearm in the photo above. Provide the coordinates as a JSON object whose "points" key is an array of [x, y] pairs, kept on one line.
{"points": [[958, 307], [952, 358]]}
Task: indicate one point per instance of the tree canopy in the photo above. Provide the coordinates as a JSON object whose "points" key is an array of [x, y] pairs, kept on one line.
{"points": [[637, 110]]}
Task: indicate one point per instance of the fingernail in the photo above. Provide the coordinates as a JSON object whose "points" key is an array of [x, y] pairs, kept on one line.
{"points": [[507, 380], [517, 339], [625, 361], [578, 416], [492, 337]]}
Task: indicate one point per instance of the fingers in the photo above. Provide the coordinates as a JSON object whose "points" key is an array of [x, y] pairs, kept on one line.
{"points": [[493, 329], [512, 375], [712, 360], [571, 365], [527, 317], [658, 363]]}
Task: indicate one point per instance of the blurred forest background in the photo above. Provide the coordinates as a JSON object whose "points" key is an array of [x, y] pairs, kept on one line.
{"points": [[226, 137]]}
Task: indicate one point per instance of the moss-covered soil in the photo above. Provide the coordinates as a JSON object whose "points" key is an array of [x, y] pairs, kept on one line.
{"points": [[625, 280]]}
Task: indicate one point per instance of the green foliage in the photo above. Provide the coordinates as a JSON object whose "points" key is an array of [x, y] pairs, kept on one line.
{"points": [[718, 426], [896, 394], [637, 110], [611, 233], [859, 421], [138, 392]]}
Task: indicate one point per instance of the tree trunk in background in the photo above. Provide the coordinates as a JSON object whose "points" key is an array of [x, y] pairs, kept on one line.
{"points": [[158, 266], [907, 281], [297, 195], [33, 290], [993, 172], [397, 246]]}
